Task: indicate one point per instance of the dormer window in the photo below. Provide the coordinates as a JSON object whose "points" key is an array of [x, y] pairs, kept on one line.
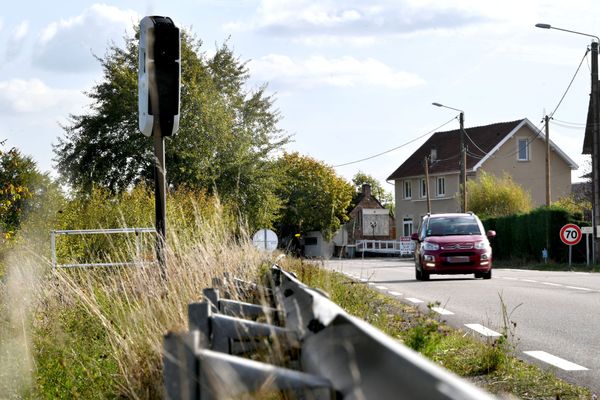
{"points": [[433, 154]]}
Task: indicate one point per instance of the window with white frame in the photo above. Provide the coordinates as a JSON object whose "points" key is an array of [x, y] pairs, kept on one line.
{"points": [[407, 227], [440, 187], [407, 189], [423, 188], [523, 149]]}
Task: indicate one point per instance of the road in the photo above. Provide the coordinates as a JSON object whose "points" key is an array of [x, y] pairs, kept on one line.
{"points": [[556, 313]]}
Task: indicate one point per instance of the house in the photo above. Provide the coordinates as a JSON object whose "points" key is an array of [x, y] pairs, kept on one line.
{"points": [[369, 219], [517, 148]]}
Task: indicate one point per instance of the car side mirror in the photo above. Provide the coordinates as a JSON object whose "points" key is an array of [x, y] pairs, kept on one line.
{"points": [[491, 234], [414, 236]]}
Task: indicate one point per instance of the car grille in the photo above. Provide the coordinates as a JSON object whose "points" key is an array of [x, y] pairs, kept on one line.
{"points": [[457, 246]]}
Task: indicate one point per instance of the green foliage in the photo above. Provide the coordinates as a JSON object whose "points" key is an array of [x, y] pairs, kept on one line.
{"points": [[29, 201], [226, 140], [491, 196], [134, 209], [315, 198], [523, 236], [17, 174], [74, 356], [576, 206]]}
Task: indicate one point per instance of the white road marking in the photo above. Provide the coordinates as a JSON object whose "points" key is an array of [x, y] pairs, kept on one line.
{"points": [[413, 300], [394, 293], [483, 330], [510, 279], [442, 311], [556, 361], [529, 280], [363, 279], [578, 288], [551, 284], [381, 287]]}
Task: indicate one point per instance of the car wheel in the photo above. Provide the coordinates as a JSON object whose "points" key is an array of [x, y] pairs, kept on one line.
{"points": [[424, 276], [418, 275], [487, 275], [478, 275]]}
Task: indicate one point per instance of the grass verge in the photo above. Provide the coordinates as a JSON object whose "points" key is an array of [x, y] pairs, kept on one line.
{"points": [[490, 365]]}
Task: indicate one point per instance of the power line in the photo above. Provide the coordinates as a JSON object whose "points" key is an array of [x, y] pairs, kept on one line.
{"points": [[570, 83], [395, 148]]}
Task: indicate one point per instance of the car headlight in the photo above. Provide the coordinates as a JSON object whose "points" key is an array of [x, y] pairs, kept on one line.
{"points": [[481, 245], [431, 246]]}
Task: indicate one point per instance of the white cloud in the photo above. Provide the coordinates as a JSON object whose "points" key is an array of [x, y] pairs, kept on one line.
{"points": [[33, 96], [353, 18], [69, 44], [15, 40], [315, 71]]}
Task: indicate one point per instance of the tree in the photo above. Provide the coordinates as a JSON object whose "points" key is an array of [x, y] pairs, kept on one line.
{"points": [[385, 198], [225, 144], [490, 196], [17, 174], [315, 198]]}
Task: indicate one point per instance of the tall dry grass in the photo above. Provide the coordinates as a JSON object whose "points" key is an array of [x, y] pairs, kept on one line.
{"points": [[97, 332]]}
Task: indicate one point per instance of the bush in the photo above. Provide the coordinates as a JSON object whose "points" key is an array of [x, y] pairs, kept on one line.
{"points": [[524, 236]]}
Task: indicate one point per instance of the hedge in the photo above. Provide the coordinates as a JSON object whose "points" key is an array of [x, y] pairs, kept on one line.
{"points": [[524, 236]]}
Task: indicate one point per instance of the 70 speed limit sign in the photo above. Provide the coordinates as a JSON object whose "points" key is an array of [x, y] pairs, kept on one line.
{"points": [[570, 234]]}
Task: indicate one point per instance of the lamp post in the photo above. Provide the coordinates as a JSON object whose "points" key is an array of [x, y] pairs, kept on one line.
{"points": [[595, 133], [463, 156]]}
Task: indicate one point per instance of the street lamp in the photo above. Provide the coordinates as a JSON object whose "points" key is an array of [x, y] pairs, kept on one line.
{"points": [[463, 155], [595, 132]]}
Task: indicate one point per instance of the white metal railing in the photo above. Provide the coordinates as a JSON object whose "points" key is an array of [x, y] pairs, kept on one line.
{"points": [[402, 247], [138, 245]]}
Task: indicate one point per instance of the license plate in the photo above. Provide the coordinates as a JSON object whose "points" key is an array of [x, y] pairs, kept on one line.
{"points": [[458, 259]]}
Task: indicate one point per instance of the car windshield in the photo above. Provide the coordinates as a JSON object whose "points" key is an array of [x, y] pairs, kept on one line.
{"points": [[448, 226]]}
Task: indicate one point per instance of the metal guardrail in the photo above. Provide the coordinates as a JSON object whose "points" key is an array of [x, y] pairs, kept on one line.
{"points": [[338, 356], [136, 231]]}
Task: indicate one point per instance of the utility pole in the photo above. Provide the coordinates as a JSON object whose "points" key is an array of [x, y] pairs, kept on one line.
{"points": [[463, 162], [548, 193], [427, 184], [595, 152]]}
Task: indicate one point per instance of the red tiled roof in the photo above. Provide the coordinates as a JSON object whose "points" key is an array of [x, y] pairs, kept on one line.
{"points": [[478, 140]]}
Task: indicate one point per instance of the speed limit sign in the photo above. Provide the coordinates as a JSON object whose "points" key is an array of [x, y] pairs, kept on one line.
{"points": [[570, 234]]}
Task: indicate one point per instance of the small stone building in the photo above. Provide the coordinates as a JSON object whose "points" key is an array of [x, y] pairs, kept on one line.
{"points": [[369, 219]]}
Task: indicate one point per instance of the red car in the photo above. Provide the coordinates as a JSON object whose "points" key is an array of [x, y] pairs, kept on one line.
{"points": [[452, 244]]}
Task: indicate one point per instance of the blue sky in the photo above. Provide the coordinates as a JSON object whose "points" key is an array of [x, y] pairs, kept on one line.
{"points": [[352, 78]]}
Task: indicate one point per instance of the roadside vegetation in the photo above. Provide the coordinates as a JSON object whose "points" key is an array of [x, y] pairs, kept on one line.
{"points": [[490, 364]]}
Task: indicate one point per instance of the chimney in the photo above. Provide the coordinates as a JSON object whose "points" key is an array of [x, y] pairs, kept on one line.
{"points": [[366, 189], [433, 154]]}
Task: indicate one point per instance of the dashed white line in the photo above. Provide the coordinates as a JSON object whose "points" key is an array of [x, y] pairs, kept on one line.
{"points": [[510, 279], [381, 287], [371, 283], [413, 300], [363, 279], [556, 361], [529, 280], [442, 311], [483, 330], [578, 288], [394, 293]]}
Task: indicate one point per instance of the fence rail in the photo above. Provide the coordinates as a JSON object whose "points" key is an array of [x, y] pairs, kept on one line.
{"points": [[136, 231], [338, 356], [402, 247]]}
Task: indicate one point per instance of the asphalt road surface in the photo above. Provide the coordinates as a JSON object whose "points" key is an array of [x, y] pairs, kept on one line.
{"points": [[557, 314]]}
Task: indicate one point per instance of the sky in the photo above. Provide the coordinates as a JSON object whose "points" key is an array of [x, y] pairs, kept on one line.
{"points": [[352, 79]]}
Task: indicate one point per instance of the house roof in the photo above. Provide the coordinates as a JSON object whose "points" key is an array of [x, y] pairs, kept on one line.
{"points": [[481, 142]]}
